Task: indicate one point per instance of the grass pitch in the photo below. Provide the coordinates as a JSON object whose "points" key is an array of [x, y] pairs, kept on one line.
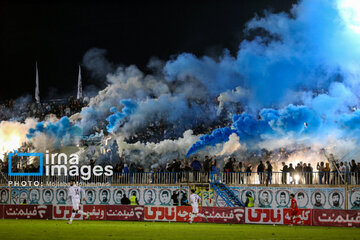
{"points": [[56, 229]]}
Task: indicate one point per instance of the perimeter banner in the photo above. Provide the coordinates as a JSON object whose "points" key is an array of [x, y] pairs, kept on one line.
{"points": [[62, 212], [97, 212], [336, 218], [101, 212], [1, 211], [124, 213], [28, 211], [264, 216], [310, 217], [106, 195], [4, 195], [354, 199], [224, 214], [183, 214], [279, 197], [160, 213], [265, 197], [305, 216]]}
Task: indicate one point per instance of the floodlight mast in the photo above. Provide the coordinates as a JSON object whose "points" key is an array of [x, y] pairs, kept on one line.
{"points": [[331, 159]]}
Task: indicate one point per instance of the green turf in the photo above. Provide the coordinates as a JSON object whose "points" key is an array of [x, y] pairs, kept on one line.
{"points": [[53, 229]]}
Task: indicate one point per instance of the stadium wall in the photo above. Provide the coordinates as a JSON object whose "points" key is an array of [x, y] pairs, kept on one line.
{"points": [[310, 217], [346, 198]]}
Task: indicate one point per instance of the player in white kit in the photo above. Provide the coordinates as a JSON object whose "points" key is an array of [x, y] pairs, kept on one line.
{"points": [[74, 193], [194, 198]]}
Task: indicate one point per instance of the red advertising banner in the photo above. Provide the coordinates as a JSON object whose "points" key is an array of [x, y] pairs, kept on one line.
{"points": [[183, 214], [64, 212], [1, 211], [264, 215], [28, 211], [305, 216], [160, 213], [336, 218], [224, 214], [124, 213], [97, 212], [315, 217]]}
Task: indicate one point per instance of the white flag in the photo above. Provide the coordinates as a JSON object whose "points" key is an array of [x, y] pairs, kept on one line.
{"points": [[37, 91], [79, 90]]}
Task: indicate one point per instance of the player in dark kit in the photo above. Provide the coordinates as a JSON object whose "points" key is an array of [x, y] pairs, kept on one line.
{"points": [[295, 213]]}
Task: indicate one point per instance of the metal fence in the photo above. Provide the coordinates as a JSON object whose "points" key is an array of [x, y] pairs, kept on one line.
{"points": [[232, 178]]}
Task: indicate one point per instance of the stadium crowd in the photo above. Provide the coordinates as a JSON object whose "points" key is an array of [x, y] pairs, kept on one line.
{"points": [[238, 172], [231, 171], [22, 109]]}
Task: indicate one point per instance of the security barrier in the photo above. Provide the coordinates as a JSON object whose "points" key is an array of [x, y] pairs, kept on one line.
{"points": [[233, 178]]}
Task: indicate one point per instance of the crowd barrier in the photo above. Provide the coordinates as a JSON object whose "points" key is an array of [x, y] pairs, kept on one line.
{"points": [[234, 178], [309, 217]]}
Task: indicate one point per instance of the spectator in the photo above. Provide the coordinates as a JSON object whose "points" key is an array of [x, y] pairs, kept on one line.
{"points": [[125, 200], [249, 200], [260, 172], [125, 174], [196, 167], [214, 171], [228, 169], [207, 163], [241, 170], [291, 171], [125, 169], [269, 173], [334, 174], [326, 171], [308, 174], [248, 174], [298, 171], [133, 199], [187, 167], [184, 200], [175, 198], [168, 167], [353, 170], [320, 169], [284, 173], [347, 173], [176, 166], [140, 169], [342, 170]]}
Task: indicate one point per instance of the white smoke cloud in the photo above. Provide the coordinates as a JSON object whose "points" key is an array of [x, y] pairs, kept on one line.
{"points": [[157, 153], [232, 146]]}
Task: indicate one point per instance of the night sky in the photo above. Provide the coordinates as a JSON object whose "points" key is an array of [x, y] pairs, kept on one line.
{"points": [[58, 34]]}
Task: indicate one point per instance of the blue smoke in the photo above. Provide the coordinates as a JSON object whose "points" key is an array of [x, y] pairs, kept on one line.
{"points": [[217, 136], [62, 131], [116, 119], [351, 123], [293, 120], [303, 75], [303, 53], [248, 128], [297, 120], [216, 76]]}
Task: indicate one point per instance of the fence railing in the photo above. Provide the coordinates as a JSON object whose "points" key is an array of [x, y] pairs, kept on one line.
{"points": [[232, 178]]}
